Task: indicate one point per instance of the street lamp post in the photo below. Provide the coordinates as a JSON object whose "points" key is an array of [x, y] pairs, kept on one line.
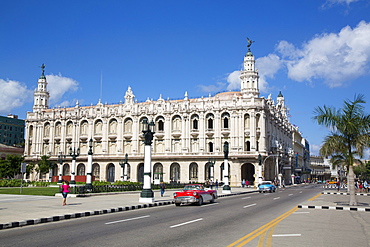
{"points": [[211, 163], [89, 166], [226, 188], [74, 153], [124, 168], [147, 194], [260, 179], [61, 159], [51, 169]]}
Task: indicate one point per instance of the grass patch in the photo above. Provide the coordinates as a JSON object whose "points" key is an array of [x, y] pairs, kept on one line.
{"points": [[36, 191]]}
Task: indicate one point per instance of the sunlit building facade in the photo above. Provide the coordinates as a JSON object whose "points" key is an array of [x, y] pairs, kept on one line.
{"points": [[188, 140]]}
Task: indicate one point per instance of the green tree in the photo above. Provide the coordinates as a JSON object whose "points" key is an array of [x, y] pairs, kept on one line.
{"points": [[360, 170], [43, 165], [349, 135], [11, 166]]}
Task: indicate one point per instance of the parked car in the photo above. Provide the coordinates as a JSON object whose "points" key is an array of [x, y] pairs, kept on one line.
{"points": [[266, 186], [194, 193]]}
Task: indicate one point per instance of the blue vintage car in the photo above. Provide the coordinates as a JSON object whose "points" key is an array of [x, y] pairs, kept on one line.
{"points": [[266, 186]]}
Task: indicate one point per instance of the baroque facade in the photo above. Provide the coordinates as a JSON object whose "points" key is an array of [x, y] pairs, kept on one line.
{"points": [[188, 140]]}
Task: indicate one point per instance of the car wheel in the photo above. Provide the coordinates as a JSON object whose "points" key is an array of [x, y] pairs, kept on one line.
{"points": [[177, 204], [200, 202], [260, 191], [213, 199]]}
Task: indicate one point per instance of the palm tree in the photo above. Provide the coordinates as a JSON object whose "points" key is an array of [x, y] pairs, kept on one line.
{"points": [[349, 135]]}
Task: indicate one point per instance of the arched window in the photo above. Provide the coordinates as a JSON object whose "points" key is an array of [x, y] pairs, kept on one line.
{"points": [[247, 122], [96, 171], [84, 127], [69, 128], [193, 172], [176, 123], [195, 122], [98, 128], [158, 171], [160, 125], [209, 119], [225, 120], [80, 170], [210, 147], [58, 129], [175, 172], [128, 125], [140, 173], [110, 173], [210, 123], [113, 126], [248, 146], [66, 171], [47, 130]]}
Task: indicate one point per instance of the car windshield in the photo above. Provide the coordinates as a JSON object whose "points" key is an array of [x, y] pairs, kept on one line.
{"points": [[193, 187], [266, 183]]}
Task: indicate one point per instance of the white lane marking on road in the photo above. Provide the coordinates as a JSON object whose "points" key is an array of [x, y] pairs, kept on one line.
{"points": [[185, 223], [301, 212], [300, 192], [290, 194], [276, 198], [287, 235], [249, 205], [246, 197], [136, 218], [206, 205]]}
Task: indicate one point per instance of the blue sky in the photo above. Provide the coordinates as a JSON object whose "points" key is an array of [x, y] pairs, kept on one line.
{"points": [[316, 52]]}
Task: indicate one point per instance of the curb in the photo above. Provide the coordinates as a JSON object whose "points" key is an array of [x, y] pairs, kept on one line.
{"points": [[79, 215], [344, 193], [336, 208], [92, 213]]}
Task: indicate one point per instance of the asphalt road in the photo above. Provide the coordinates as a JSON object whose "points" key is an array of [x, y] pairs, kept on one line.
{"points": [[219, 224]]}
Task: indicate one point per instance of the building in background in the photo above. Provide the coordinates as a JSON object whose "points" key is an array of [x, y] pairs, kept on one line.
{"points": [[12, 130], [320, 169], [189, 135]]}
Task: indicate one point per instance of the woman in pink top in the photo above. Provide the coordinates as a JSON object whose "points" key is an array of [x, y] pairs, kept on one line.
{"points": [[65, 191]]}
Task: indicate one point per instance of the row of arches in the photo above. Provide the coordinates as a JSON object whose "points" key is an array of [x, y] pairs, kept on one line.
{"points": [[247, 172], [128, 124]]}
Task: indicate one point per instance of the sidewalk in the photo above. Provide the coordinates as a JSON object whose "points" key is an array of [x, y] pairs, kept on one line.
{"points": [[22, 210], [331, 199]]}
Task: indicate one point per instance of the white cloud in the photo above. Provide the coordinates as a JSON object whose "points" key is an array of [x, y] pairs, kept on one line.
{"points": [[212, 88], [267, 66], [13, 94], [335, 58], [58, 85], [315, 149], [331, 2], [234, 80]]}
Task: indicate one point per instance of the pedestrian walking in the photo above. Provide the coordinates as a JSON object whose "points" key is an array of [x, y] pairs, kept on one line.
{"points": [[216, 183], [338, 185], [65, 190], [366, 186], [211, 184], [247, 183], [243, 183], [162, 187]]}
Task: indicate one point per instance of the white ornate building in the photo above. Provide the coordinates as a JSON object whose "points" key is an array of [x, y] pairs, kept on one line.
{"points": [[189, 134]]}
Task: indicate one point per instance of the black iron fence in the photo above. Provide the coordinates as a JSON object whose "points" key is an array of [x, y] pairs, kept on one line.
{"points": [[118, 188]]}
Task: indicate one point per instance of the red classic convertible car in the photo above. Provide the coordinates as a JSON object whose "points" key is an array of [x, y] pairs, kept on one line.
{"points": [[194, 193]]}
